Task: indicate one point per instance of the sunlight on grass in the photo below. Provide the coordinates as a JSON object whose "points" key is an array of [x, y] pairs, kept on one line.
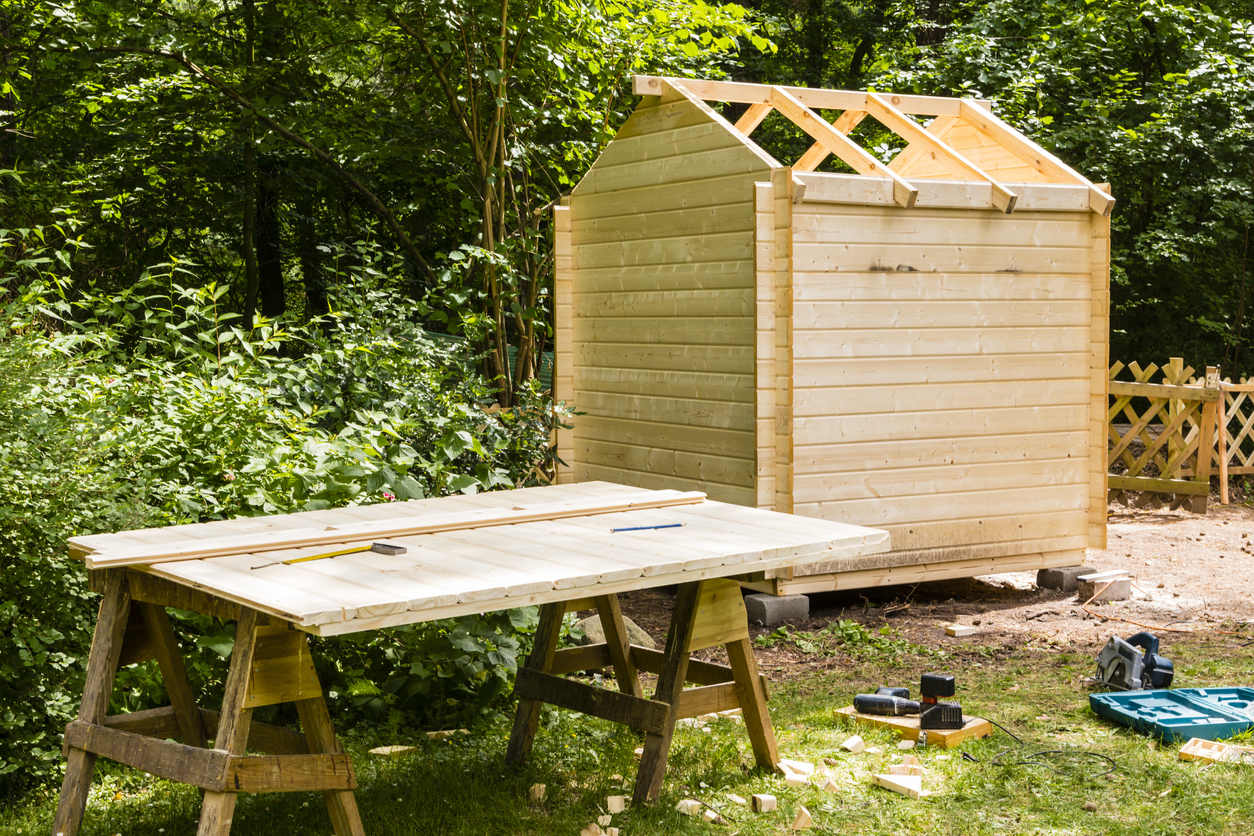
{"points": [[462, 787]]}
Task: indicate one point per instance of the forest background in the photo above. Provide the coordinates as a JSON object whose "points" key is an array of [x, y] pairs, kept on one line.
{"points": [[262, 256]]}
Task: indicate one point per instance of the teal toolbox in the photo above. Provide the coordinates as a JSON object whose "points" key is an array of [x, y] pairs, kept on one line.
{"points": [[1208, 713]]}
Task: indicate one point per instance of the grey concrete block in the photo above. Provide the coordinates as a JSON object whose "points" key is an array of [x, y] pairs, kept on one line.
{"points": [[1120, 590], [1064, 578], [769, 610], [593, 634]]}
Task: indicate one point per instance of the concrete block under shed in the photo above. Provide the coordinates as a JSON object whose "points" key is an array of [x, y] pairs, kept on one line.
{"points": [[1119, 590], [771, 610], [1063, 578]]}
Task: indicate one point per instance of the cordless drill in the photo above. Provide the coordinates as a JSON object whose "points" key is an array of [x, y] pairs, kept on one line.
{"points": [[933, 714]]}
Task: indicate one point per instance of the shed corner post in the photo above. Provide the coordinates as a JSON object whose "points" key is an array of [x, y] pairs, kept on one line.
{"points": [[563, 339], [764, 345], [1099, 374]]}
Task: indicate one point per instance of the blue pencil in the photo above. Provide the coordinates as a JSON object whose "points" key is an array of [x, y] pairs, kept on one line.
{"points": [[645, 527]]}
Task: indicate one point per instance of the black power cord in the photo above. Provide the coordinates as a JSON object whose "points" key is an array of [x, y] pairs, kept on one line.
{"points": [[1027, 760]]}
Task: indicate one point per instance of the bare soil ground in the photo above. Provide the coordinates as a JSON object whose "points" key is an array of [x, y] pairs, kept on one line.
{"points": [[1191, 573]]}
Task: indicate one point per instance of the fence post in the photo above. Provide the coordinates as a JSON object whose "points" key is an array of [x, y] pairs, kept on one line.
{"points": [[1222, 428], [1206, 428]]}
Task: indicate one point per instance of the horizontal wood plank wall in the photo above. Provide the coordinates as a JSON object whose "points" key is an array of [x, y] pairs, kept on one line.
{"points": [[664, 306], [942, 376]]}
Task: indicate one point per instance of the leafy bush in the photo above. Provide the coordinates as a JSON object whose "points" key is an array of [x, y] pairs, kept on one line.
{"points": [[153, 407]]}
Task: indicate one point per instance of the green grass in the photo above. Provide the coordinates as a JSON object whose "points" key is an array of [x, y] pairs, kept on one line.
{"points": [[462, 787]]}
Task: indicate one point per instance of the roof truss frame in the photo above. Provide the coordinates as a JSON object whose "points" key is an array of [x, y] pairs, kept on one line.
{"points": [[798, 104]]}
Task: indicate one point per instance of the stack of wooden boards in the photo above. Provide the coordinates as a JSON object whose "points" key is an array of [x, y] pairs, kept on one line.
{"points": [[472, 553]]}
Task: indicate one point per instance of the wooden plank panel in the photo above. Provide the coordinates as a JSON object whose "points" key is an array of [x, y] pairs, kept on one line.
{"points": [[892, 285], [674, 384], [696, 412], [939, 424], [862, 371], [955, 479], [681, 303], [688, 194], [956, 551], [1022, 532], [654, 117], [934, 342], [716, 359], [888, 398], [877, 455], [873, 257], [679, 331], [729, 246], [701, 165], [702, 468], [696, 275], [839, 224], [1026, 501], [701, 440], [679, 141], [941, 314], [920, 573], [717, 491], [940, 193], [706, 220]]}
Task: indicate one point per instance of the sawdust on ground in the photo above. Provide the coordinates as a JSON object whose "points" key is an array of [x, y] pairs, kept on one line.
{"points": [[1190, 573]]}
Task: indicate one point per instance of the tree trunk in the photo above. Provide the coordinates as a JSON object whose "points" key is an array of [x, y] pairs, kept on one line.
{"points": [[310, 263], [269, 243]]}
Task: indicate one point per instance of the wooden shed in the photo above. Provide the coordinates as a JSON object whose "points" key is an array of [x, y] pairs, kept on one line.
{"points": [[921, 346]]}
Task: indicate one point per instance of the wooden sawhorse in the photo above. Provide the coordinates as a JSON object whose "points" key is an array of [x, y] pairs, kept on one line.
{"points": [[270, 664], [707, 613]]}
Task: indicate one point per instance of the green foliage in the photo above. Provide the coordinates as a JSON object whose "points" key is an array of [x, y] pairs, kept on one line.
{"points": [[848, 637], [153, 407]]}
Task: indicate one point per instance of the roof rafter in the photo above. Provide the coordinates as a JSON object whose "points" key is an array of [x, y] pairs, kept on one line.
{"points": [[900, 123], [753, 117], [819, 152], [840, 145], [1032, 154]]}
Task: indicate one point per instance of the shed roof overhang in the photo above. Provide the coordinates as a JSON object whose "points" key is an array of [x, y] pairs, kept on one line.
{"points": [[877, 182]]}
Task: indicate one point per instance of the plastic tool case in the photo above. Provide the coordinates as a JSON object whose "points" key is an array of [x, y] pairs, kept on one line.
{"points": [[1208, 713]]}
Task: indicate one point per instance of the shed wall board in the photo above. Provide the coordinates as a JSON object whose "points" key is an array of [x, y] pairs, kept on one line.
{"points": [[938, 371], [961, 379], [664, 306]]}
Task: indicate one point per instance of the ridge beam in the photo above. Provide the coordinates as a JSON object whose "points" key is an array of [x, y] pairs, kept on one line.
{"points": [[1034, 155], [842, 146], [913, 132], [818, 152]]}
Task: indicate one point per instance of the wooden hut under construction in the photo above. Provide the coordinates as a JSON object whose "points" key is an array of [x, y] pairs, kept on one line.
{"points": [[921, 346]]}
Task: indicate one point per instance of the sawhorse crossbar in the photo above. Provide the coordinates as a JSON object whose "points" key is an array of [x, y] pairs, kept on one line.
{"points": [[270, 664], [707, 613]]}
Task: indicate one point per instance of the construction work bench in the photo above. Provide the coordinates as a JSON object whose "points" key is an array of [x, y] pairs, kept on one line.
{"points": [[564, 548]]}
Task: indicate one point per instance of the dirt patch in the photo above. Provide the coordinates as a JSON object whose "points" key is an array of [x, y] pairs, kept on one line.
{"points": [[1190, 572]]}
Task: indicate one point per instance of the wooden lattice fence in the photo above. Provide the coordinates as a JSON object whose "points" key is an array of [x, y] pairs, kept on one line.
{"points": [[1236, 435], [1156, 431]]}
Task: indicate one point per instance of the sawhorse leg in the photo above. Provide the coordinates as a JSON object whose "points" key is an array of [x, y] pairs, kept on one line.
{"points": [[269, 664], [102, 667], [706, 613]]}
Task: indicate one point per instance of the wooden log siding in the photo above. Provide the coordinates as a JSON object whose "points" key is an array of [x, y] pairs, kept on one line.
{"points": [[1175, 424], [895, 347], [665, 308], [941, 374]]}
